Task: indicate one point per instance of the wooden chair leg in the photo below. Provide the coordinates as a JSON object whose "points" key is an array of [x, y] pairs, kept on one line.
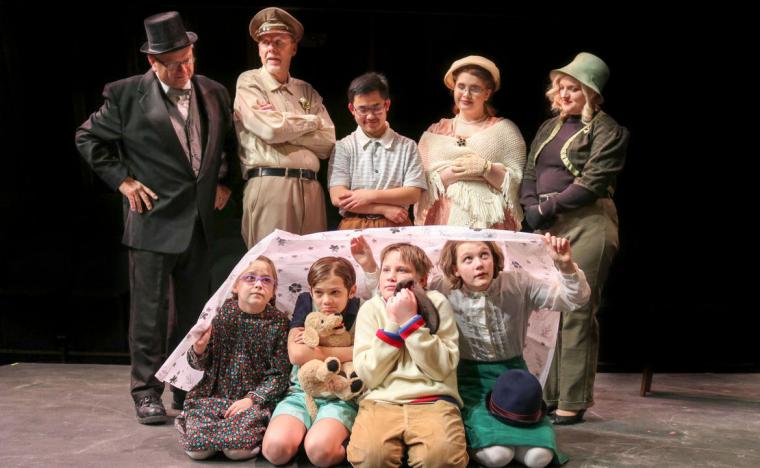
{"points": [[646, 381]]}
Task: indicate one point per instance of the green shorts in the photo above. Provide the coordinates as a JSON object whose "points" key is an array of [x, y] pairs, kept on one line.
{"points": [[294, 404]]}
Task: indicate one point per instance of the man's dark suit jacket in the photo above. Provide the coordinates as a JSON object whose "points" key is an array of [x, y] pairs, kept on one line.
{"points": [[132, 135]]}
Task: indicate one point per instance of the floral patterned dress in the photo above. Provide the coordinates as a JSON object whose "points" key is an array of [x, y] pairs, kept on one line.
{"points": [[247, 354]]}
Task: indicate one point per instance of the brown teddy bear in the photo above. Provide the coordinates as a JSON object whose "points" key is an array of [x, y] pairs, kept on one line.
{"points": [[327, 378]]}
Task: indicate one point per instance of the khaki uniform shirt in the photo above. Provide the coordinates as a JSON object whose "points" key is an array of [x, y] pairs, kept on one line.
{"points": [[296, 133]]}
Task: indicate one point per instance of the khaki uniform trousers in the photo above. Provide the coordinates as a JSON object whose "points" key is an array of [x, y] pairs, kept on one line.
{"points": [[287, 203]]}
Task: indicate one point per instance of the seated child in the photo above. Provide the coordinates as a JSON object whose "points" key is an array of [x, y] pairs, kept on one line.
{"points": [[412, 404], [333, 284], [492, 308], [244, 356]]}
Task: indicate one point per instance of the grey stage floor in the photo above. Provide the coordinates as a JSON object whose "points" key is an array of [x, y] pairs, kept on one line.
{"points": [[82, 415]]}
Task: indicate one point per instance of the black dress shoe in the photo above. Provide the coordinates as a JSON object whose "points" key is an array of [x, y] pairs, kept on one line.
{"points": [[150, 410], [568, 420], [178, 399]]}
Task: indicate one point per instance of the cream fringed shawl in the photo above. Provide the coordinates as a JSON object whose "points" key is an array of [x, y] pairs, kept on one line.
{"points": [[475, 203]]}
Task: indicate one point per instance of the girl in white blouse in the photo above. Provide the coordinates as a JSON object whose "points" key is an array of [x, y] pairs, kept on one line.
{"points": [[492, 308]]}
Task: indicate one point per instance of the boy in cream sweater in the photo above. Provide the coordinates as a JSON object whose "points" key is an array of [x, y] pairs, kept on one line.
{"points": [[412, 404]]}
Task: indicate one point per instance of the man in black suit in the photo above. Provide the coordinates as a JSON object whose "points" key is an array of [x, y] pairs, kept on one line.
{"points": [[161, 139]]}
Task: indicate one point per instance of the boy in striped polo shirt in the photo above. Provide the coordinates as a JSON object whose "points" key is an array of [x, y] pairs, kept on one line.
{"points": [[375, 174]]}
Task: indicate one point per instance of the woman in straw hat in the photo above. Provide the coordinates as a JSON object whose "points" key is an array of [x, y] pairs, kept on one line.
{"points": [[474, 161], [567, 191]]}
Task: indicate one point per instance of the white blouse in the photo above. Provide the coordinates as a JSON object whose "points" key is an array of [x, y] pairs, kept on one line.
{"points": [[493, 323]]}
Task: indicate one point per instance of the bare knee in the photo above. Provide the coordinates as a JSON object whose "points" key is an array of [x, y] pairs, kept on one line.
{"points": [[324, 449], [282, 439], [278, 451], [325, 456]]}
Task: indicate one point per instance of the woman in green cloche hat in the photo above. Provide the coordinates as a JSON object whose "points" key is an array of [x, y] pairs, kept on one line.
{"points": [[567, 190]]}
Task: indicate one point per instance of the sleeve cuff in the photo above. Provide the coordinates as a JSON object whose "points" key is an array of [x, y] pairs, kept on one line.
{"points": [[255, 398], [372, 276], [411, 325], [336, 182], [195, 360], [391, 338], [571, 276]]}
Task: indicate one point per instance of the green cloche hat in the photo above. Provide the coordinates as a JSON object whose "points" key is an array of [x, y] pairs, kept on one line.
{"points": [[588, 69]]}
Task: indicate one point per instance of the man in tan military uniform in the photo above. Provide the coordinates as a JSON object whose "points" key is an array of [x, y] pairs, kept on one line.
{"points": [[284, 130]]}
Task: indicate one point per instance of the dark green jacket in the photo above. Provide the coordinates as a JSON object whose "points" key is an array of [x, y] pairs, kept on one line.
{"points": [[595, 155]]}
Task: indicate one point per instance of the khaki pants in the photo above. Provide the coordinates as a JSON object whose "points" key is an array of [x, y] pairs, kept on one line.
{"points": [[433, 435], [593, 234], [287, 203]]}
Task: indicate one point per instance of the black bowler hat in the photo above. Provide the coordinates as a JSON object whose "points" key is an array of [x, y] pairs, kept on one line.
{"points": [[516, 399], [166, 33]]}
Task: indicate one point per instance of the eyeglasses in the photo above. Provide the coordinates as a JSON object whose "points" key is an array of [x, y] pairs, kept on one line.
{"points": [[373, 109], [172, 66], [277, 43], [250, 278], [473, 90]]}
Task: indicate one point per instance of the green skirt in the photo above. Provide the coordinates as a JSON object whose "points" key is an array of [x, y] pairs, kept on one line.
{"points": [[483, 430]]}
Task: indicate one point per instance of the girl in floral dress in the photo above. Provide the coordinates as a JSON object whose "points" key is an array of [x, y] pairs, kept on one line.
{"points": [[244, 357]]}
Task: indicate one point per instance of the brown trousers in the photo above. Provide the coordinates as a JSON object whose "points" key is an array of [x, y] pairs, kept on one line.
{"points": [[432, 434], [356, 222]]}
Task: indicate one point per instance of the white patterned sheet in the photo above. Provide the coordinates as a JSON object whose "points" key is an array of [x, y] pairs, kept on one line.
{"points": [[293, 255]]}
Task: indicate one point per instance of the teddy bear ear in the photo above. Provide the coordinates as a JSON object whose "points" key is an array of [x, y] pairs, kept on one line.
{"points": [[311, 338], [310, 318]]}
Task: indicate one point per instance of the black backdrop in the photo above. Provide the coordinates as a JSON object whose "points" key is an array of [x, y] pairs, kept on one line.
{"points": [[671, 299]]}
